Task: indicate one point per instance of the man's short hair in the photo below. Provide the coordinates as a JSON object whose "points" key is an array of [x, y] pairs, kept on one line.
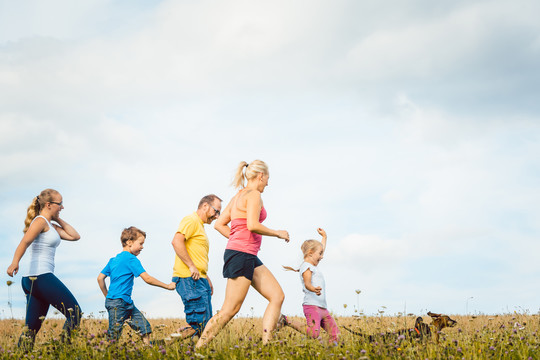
{"points": [[208, 199]]}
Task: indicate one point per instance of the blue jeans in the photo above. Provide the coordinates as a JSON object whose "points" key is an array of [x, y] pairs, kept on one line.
{"points": [[196, 296], [120, 311], [41, 292]]}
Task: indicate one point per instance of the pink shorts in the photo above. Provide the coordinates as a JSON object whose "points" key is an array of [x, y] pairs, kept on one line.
{"points": [[317, 317]]}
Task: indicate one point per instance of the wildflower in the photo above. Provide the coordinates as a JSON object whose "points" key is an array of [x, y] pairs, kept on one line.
{"points": [[345, 306], [358, 291], [363, 351], [33, 278], [491, 348], [9, 283]]}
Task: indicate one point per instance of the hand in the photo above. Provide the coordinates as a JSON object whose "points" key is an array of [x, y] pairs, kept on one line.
{"points": [[13, 269], [195, 275], [283, 234], [321, 232], [318, 290], [171, 286]]}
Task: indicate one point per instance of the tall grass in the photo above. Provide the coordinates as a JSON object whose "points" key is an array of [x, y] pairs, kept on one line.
{"points": [[511, 336]]}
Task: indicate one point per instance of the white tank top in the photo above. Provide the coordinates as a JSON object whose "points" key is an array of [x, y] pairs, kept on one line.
{"points": [[41, 251]]}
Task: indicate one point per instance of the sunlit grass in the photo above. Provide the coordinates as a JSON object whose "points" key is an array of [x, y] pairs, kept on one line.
{"points": [[512, 336]]}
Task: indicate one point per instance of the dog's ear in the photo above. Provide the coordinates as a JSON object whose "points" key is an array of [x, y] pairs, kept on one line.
{"points": [[433, 315]]}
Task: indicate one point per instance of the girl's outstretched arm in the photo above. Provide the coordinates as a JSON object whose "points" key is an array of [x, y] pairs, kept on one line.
{"points": [[323, 240]]}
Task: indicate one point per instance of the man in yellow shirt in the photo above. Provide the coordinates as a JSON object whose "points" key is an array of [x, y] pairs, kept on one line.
{"points": [[190, 269]]}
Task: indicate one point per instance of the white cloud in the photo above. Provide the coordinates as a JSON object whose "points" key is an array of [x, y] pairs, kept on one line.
{"points": [[374, 122]]}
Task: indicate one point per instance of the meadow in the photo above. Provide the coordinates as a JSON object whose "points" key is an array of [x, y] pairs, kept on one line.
{"points": [[509, 336]]}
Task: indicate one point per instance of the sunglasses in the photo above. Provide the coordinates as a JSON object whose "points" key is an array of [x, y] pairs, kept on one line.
{"points": [[57, 203], [216, 210]]}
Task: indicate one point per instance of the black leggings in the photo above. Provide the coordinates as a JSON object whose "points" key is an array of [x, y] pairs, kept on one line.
{"points": [[45, 290]]}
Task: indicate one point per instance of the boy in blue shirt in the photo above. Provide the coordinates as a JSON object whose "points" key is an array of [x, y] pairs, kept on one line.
{"points": [[122, 269]]}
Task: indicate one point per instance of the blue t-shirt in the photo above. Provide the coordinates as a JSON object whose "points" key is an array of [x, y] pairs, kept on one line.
{"points": [[122, 269], [317, 279]]}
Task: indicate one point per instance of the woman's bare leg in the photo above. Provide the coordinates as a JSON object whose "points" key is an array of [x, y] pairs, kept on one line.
{"points": [[235, 294], [266, 284]]}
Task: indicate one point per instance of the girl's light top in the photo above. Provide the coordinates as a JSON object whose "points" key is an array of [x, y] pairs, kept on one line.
{"points": [[317, 279], [241, 239], [42, 250]]}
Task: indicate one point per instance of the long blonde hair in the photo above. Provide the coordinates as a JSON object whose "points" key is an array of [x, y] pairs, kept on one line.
{"points": [[37, 204], [240, 177], [308, 247]]}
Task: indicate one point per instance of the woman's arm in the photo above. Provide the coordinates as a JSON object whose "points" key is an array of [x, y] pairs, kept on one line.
{"points": [[253, 210], [66, 231], [307, 281], [101, 281], [222, 222], [33, 231]]}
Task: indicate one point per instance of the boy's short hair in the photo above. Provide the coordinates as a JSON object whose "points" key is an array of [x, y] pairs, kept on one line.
{"points": [[131, 233]]}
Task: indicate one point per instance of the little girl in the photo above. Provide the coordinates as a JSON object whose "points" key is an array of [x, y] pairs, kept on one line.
{"points": [[314, 303]]}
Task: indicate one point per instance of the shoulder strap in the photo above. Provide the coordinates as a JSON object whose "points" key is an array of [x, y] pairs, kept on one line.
{"points": [[44, 218]]}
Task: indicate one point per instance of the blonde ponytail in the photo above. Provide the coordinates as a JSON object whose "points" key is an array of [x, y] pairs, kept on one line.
{"points": [[37, 204], [239, 177], [256, 167], [288, 268]]}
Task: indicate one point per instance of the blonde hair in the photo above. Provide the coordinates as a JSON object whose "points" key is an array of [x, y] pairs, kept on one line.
{"points": [[240, 177], [131, 233], [37, 205], [308, 247]]}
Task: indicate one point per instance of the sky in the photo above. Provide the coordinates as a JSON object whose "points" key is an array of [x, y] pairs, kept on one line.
{"points": [[408, 130]]}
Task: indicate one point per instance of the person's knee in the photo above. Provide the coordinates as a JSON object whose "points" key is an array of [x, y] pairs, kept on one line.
{"points": [[278, 298], [228, 312]]}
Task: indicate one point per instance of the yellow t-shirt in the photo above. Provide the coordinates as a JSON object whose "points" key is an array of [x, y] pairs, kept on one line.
{"points": [[197, 245]]}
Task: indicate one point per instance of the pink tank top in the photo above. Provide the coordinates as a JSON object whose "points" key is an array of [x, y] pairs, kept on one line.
{"points": [[241, 239]]}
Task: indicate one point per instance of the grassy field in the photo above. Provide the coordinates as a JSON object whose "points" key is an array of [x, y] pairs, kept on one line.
{"points": [[512, 336]]}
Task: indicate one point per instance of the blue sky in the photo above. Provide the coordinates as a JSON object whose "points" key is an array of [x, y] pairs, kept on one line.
{"points": [[409, 130]]}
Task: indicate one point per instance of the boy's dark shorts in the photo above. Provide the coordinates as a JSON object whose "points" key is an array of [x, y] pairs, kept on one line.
{"points": [[238, 263], [196, 296]]}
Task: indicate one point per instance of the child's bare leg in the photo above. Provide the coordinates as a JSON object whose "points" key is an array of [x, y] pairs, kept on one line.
{"points": [[146, 339], [299, 326]]}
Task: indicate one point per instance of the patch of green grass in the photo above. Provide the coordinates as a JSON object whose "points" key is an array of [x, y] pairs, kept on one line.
{"points": [[513, 336]]}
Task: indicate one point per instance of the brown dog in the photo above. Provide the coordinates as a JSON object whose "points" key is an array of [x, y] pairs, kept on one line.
{"points": [[440, 322], [419, 331]]}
